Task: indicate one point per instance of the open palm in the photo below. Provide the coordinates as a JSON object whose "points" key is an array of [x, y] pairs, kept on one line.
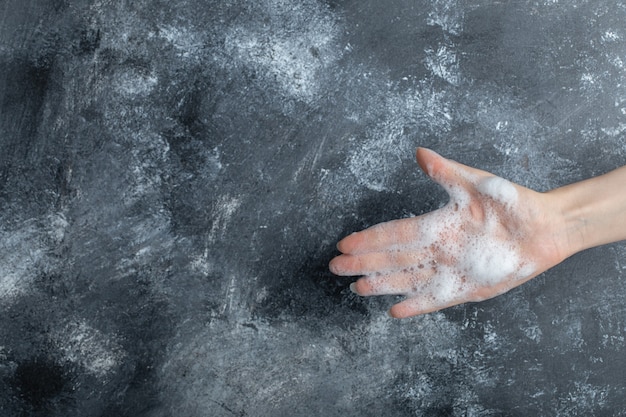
{"points": [[491, 236]]}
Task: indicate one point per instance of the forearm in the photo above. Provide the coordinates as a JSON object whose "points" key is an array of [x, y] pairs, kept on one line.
{"points": [[593, 211]]}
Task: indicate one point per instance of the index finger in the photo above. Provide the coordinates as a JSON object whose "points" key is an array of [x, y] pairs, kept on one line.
{"points": [[381, 237]]}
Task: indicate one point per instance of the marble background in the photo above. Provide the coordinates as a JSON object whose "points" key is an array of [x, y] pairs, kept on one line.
{"points": [[174, 176]]}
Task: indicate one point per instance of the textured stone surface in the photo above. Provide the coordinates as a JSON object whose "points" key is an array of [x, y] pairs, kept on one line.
{"points": [[174, 176]]}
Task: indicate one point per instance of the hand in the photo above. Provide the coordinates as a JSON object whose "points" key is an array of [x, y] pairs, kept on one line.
{"points": [[491, 236]]}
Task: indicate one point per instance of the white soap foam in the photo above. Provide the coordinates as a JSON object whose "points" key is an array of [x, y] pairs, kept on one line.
{"points": [[526, 270], [489, 262], [499, 189], [469, 257], [446, 286]]}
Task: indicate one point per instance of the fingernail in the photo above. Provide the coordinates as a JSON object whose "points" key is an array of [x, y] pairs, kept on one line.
{"points": [[332, 267], [353, 288]]}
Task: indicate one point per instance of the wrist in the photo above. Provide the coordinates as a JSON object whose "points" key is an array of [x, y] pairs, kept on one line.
{"points": [[571, 223], [592, 212]]}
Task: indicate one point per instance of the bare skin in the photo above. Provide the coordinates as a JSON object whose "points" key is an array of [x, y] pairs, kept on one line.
{"points": [[492, 236]]}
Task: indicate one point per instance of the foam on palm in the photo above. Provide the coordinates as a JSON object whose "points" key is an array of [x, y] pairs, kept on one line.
{"points": [[467, 255], [465, 251]]}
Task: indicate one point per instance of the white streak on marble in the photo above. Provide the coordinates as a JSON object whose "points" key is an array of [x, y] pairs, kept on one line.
{"points": [[99, 353]]}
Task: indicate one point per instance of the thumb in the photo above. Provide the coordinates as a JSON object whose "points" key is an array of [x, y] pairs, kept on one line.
{"points": [[445, 172], [437, 167], [431, 162]]}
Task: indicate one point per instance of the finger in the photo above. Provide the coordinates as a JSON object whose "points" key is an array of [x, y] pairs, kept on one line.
{"points": [[381, 237], [403, 282], [446, 172], [377, 262], [433, 164], [413, 307], [441, 291], [419, 305]]}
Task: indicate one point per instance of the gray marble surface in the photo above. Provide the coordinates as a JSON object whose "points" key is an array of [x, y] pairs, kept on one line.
{"points": [[174, 177]]}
